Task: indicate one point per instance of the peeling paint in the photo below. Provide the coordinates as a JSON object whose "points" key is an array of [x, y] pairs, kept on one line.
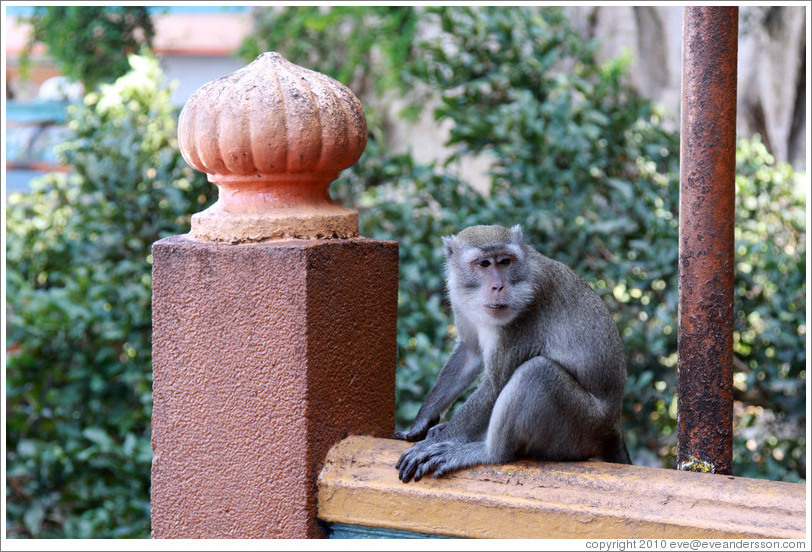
{"points": [[534, 499], [694, 464]]}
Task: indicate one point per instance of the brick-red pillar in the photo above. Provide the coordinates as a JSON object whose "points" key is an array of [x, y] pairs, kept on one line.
{"points": [[264, 355]]}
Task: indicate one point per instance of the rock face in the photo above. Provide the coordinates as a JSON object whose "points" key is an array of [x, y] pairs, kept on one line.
{"points": [[771, 68]]}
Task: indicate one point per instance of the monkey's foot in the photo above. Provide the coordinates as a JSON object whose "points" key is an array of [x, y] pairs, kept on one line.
{"points": [[420, 430], [442, 457]]}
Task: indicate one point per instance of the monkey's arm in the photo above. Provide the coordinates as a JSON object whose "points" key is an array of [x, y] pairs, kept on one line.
{"points": [[461, 369], [470, 421]]}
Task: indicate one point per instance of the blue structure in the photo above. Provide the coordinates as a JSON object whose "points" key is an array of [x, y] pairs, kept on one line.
{"points": [[33, 130]]}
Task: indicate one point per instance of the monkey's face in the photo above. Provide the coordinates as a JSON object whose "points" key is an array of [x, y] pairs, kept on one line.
{"points": [[490, 284]]}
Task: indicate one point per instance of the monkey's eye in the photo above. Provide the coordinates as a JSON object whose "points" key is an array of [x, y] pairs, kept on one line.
{"points": [[504, 261], [484, 263]]}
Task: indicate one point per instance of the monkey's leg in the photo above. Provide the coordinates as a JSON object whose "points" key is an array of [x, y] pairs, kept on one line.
{"points": [[543, 412]]}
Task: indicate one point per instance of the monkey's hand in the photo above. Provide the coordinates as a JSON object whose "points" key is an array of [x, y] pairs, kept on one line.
{"points": [[442, 457], [418, 431]]}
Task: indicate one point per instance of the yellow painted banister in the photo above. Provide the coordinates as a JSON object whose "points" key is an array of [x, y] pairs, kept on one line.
{"points": [[527, 499]]}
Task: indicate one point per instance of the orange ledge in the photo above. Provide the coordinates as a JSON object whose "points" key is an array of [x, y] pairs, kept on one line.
{"points": [[359, 485]]}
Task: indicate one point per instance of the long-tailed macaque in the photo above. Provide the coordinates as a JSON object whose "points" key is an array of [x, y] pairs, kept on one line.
{"points": [[552, 364]]}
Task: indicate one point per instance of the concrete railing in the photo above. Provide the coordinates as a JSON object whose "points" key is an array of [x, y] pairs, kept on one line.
{"points": [[359, 486], [274, 348]]}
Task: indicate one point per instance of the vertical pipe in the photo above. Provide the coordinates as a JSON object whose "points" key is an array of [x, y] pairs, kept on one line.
{"points": [[706, 222]]}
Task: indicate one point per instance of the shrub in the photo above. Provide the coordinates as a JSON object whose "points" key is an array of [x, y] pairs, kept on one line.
{"points": [[770, 323], [90, 45], [78, 283]]}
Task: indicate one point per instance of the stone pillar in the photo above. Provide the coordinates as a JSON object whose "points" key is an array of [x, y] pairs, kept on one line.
{"points": [[273, 321]]}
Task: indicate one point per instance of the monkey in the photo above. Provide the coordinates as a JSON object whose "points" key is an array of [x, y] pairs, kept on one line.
{"points": [[549, 354]]}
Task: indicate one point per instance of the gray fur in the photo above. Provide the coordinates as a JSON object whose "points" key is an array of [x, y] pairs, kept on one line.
{"points": [[554, 368]]}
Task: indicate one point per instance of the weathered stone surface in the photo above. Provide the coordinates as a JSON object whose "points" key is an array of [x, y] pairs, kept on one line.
{"points": [[554, 500], [264, 356]]}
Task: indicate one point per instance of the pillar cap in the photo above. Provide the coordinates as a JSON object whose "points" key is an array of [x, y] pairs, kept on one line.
{"points": [[272, 136]]}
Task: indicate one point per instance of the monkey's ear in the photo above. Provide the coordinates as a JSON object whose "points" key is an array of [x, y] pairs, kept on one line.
{"points": [[449, 245], [518, 235]]}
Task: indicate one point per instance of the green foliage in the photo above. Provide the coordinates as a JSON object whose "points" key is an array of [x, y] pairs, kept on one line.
{"points": [[90, 45], [78, 314], [770, 324]]}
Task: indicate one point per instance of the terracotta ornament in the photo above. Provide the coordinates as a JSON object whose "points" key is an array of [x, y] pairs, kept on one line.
{"points": [[272, 136]]}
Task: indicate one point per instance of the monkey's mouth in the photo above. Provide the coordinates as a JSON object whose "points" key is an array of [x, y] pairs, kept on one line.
{"points": [[496, 306]]}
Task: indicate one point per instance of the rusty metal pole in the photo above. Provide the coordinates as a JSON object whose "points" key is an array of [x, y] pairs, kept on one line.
{"points": [[706, 222]]}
